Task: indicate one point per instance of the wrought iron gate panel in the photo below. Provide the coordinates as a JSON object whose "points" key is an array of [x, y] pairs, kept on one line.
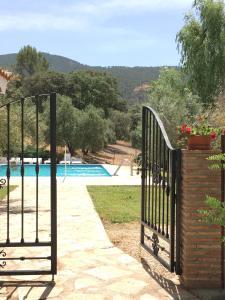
{"points": [[160, 229], [35, 243]]}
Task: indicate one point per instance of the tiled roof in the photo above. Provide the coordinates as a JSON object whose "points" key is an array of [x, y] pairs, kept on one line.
{"points": [[6, 74]]}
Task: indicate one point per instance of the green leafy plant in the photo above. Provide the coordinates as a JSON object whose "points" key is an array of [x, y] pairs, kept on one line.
{"points": [[220, 158], [216, 212]]}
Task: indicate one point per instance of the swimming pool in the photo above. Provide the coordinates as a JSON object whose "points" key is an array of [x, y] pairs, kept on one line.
{"points": [[69, 170]]}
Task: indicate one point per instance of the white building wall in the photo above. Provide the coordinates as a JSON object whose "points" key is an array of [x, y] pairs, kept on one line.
{"points": [[3, 84]]}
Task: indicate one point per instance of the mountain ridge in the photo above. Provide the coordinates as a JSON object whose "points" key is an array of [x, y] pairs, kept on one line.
{"points": [[128, 77]]}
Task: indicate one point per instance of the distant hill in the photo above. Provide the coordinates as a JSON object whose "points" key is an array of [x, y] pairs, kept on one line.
{"points": [[129, 78], [7, 60], [56, 62]]}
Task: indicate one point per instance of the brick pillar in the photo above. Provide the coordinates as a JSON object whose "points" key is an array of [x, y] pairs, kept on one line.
{"points": [[200, 243]]}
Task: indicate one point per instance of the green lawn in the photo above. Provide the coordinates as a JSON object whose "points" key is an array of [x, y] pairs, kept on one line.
{"points": [[121, 204], [3, 192], [117, 204]]}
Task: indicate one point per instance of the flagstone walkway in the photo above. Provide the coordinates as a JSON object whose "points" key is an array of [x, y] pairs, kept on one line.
{"points": [[89, 266]]}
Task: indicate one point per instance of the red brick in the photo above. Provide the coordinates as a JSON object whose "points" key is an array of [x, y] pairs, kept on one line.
{"points": [[200, 242]]}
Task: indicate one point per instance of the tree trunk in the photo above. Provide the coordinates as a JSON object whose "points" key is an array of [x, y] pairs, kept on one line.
{"points": [[71, 150], [85, 151]]}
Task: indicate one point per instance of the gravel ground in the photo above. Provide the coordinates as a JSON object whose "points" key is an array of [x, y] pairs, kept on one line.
{"points": [[113, 154]]}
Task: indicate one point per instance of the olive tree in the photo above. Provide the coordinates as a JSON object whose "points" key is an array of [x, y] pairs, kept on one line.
{"points": [[92, 130], [171, 98]]}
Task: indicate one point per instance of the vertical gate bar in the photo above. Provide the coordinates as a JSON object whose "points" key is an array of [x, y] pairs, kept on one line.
{"points": [[155, 170], [222, 201], [22, 169], [153, 161], [164, 187], [178, 210], [37, 164], [146, 164], [53, 183], [168, 193], [146, 167], [172, 208], [8, 169], [149, 169], [159, 192], [143, 172]]}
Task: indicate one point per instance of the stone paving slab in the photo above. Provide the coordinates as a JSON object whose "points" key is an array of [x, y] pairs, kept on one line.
{"points": [[89, 266]]}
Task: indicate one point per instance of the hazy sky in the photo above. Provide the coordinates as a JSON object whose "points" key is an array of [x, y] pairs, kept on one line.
{"points": [[96, 32]]}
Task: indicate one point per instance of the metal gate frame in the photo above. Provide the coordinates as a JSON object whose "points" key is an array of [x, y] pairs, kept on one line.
{"points": [[53, 194], [160, 205]]}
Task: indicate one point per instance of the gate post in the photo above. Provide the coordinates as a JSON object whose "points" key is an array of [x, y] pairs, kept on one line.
{"points": [[53, 183], [201, 260]]}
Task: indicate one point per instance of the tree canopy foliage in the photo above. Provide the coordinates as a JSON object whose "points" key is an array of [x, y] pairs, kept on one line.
{"points": [[93, 129], [172, 99], [95, 88], [43, 83], [90, 110], [29, 61], [201, 43], [84, 104], [122, 124], [68, 118]]}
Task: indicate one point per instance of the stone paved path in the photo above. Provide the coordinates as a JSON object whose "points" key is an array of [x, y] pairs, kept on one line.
{"points": [[89, 266]]}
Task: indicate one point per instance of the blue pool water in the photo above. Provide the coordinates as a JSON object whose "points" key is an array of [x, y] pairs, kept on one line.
{"points": [[71, 170]]}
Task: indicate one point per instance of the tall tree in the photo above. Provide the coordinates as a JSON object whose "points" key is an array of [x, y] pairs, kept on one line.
{"points": [[95, 88], [201, 43], [121, 123], [29, 61], [44, 83], [68, 119], [92, 130], [174, 102]]}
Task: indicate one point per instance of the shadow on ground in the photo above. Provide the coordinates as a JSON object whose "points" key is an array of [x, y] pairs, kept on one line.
{"points": [[173, 289], [41, 289], [15, 207]]}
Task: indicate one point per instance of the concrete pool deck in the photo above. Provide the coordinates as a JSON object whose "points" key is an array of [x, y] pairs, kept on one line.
{"points": [[89, 266]]}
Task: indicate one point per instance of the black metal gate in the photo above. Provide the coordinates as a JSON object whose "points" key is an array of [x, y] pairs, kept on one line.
{"points": [[160, 226], [28, 231]]}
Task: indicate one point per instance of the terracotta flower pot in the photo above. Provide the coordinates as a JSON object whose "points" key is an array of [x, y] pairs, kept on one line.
{"points": [[199, 142]]}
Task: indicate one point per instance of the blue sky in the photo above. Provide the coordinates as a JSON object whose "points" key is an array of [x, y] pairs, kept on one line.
{"points": [[96, 32]]}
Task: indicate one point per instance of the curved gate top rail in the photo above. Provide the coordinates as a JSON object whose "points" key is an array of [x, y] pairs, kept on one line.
{"points": [[160, 230], [160, 124], [27, 210]]}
